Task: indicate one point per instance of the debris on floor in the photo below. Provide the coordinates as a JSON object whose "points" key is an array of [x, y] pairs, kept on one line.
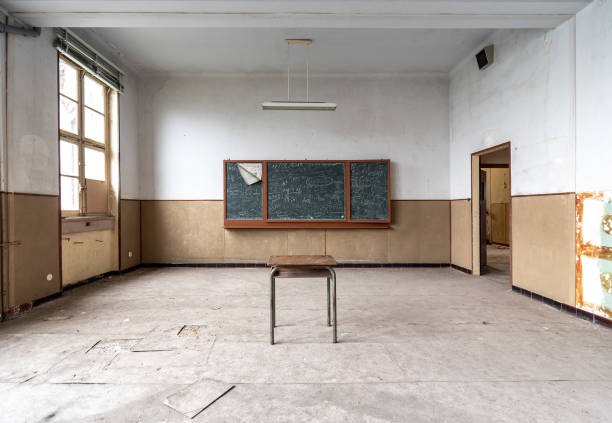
{"points": [[112, 346], [197, 397], [174, 338]]}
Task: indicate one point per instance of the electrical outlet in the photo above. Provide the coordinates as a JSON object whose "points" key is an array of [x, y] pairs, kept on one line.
{"points": [[130, 254]]}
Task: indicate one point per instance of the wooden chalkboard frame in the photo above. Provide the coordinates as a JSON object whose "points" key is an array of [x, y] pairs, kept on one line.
{"points": [[347, 222]]}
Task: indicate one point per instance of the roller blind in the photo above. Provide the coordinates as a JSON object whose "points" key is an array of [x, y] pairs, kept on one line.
{"points": [[79, 51]]}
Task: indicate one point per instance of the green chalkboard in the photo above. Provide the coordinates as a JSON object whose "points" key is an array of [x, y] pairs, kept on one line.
{"points": [[306, 191], [242, 201], [369, 190]]}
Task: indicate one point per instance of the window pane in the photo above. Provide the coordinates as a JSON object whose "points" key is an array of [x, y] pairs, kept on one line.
{"points": [[68, 80], [94, 125], [70, 193], [69, 158], [94, 94], [69, 115], [94, 164]]}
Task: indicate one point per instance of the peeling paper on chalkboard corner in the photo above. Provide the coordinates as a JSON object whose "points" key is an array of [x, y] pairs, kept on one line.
{"points": [[251, 172]]}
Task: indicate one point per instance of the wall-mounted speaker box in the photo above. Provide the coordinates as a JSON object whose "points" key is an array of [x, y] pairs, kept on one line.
{"points": [[484, 57]]}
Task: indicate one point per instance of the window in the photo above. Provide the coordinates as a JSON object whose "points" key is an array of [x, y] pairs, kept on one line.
{"points": [[83, 139]]}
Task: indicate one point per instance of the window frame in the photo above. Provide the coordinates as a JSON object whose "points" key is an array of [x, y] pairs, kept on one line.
{"points": [[81, 141]]}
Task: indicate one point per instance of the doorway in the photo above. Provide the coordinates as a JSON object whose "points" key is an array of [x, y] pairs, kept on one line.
{"points": [[492, 213]]}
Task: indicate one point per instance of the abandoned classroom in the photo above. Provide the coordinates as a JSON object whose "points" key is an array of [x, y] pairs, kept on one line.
{"points": [[339, 211]]}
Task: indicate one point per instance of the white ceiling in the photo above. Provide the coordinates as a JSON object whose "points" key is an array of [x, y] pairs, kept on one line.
{"points": [[237, 50], [350, 36]]}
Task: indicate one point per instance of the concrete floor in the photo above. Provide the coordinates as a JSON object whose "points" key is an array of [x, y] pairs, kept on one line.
{"points": [[498, 263], [414, 345]]}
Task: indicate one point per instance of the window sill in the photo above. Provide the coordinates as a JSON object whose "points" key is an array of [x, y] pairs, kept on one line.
{"points": [[75, 224]]}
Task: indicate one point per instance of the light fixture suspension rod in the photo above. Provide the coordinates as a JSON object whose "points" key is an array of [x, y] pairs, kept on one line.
{"points": [[307, 80], [307, 72], [288, 69]]}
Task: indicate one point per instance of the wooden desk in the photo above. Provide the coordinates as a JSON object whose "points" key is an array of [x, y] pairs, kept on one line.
{"points": [[304, 267]]}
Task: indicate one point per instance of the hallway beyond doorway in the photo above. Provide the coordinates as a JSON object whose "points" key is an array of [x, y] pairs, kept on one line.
{"points": [[498, 263]]}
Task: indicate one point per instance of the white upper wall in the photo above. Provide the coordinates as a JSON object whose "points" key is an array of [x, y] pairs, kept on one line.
{"points": [[594, 97], [526, 97], [32, 139], [3, 163], [190, 124], [128, 138]]}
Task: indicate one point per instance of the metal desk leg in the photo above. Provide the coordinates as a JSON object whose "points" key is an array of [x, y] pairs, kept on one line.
{"points": [[272, 305], [333, 290], [328, 305]]}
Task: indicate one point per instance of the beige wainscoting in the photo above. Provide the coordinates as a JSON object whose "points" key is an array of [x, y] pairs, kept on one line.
{"points": [[543, 245], [181, 231], [192, 232], [130, 233], [32, 222], [420, 232], [306, 241], [461, 233]]}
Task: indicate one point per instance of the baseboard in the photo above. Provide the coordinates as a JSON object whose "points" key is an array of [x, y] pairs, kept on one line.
{"points": [[46, 299], [461, 269], [413, 265], [90, 280], [130, 269], [581, 314]]}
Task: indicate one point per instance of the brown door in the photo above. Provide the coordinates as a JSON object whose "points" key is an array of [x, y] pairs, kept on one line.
{"points": [[482, 202]]}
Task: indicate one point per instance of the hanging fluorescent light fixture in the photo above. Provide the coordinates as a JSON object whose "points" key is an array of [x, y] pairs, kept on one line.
{"points": [[298, 105]]}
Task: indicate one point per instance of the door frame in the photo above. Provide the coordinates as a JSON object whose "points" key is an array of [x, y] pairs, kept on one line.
{"points": [[475, 203]]}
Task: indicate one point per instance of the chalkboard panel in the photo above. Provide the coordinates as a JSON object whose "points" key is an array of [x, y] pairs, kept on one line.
{"points": [[306, 191], [369, 190], [242, 201]]}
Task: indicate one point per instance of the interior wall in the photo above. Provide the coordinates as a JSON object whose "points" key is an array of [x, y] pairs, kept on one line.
{"points": [[498, 205], [32, 266], [130, 234], [461, 233], [543, 245], [32, 114], [189, 124], [525, 97], [30, 171], [593, 158], [594, 97], [192, 232], [128, 124]]}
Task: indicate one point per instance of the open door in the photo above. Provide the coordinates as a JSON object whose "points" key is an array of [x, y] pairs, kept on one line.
{"points": [[491, 196], [482, 207]]}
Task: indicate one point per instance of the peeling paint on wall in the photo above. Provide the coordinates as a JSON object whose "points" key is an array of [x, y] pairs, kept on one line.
{"points": [[594, 253]]}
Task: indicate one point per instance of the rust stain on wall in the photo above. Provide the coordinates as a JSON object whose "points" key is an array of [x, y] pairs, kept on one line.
{"points": [[594, 252]]}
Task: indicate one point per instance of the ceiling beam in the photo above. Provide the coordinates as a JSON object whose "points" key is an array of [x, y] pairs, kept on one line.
{"points": [[289, 20], [296, 13]]}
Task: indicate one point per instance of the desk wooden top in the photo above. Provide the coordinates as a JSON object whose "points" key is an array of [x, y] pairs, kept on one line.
{"points": [[287, 261]]}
